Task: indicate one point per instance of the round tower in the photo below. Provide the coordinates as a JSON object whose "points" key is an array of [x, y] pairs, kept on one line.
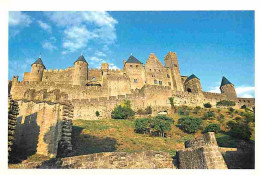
{"points": [[80, 74], [192, 84], [228, 89], [37, 70]]}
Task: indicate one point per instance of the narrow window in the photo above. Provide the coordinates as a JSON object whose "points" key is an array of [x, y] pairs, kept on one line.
{"points": [[135, 80], [131, 65], [155, 81], [93, 78], [168, 76], [169, 83], [160, 82], [136, 66]]}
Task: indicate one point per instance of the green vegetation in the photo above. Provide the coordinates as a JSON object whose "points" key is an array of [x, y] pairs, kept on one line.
{"points": [[239, 130], [97, 113], [210, 115], [184, 110], [226, 103], [123, 111], [147, 111], [207, 105], [190, 124], [171, 101], [212, 128], [155, 126]]}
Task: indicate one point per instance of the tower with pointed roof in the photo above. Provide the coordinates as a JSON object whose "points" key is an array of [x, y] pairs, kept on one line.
{"points": [[80, 74], [37, 70], [192, 84], [228, 89], [135, 70], [171, 62]]}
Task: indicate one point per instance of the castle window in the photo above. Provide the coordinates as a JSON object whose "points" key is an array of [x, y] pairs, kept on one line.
{"points": [[160, 82], [150, 69], [169, 83], [131, 65], [153, 75], [135, 80], [175, 65], [93, 78], [168, 76], [136, 66], [155, 81], [189, 90]]}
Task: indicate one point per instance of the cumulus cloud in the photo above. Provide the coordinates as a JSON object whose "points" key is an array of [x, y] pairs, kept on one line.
{"points": [[100, 54], [44, 26], [82, 27], [242, 91], [49, 44], [95, 61], [18, 18]]}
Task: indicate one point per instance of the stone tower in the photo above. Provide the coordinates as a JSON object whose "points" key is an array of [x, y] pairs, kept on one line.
{"points": [[192, 84], [228, 89], [80, 74], [37, 70], [171, 61]]}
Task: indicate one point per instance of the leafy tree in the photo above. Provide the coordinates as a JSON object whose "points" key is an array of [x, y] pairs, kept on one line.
{"points": [[97, 113], [142, 125], [212, 128], [171, 101], [239, 130], [164, 117], [207, 105], [122, 112], [231, 110], [160, 126], [190, 124]]}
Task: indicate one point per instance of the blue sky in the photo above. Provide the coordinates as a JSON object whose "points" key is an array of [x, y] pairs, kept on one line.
{"points": [[209, 44]]}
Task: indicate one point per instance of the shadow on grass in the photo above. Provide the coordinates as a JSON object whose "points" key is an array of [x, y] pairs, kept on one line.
{"points": [[88, 144]]}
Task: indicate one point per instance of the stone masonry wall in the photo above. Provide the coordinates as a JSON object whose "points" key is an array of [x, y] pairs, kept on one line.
{"points": [[201, 153]]}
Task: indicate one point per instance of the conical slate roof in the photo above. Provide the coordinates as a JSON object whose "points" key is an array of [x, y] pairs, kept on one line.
{"points": [[39, 61], [191, 77], [81, 58], [132, 59], [224, 81]]}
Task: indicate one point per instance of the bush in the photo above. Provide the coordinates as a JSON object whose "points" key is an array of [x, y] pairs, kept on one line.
{"points": [[183, 110], [97, 113], [207, 105], [243, 107], [212, 128], [231, 110], [171, 101], [209, 115], [226, 103], [190, 124], [196, 109], [124, 112], [155, 126], [147, 111], [143, 125], [239, 130]]}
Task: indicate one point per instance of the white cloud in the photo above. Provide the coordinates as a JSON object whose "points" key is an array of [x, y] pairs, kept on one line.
{"points": [[18, 18], [242, 91], [49, 44], [44, 26], [76, 38], [112, 66], [100, 54], [81, 27]]}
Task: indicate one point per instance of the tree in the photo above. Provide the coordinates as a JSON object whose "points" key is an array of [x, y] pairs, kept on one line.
{"points": [[239, 130], [97, 114], [210, 115], [190, 124], [123, 112], [142, 125], [212, 128]]}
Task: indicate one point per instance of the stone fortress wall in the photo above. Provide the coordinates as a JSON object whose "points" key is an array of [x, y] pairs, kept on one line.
{"points": [[91, 90]]}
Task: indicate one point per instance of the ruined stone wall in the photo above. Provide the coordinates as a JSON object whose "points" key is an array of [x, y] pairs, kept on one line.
{"points": [[201, 153], [39, 127], [119, 160]]}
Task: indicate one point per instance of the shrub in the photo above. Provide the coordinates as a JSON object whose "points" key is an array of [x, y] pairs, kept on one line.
{"points": [[183, 110], [239, 130], [171, 101], [221, 117], [231, 110], [155, 126], [207, 105], [209, 115], [142, 125], [212, 128], [225, 103], [190, 124], [148, 110], [196, 109], [124, 112], [243, 107], [97, 113], [164, 117]]}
